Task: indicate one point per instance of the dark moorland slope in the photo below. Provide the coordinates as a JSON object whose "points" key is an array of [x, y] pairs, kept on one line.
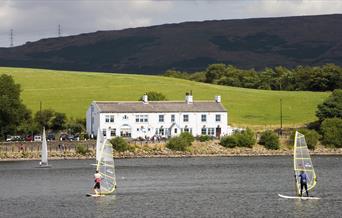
{"points": [[190, 46]]}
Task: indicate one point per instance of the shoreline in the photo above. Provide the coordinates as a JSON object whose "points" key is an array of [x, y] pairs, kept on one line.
{"points": [[156, 150], [172, 156]]}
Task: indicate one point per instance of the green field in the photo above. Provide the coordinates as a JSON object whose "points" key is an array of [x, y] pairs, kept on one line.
{"points": [[72, 92]]}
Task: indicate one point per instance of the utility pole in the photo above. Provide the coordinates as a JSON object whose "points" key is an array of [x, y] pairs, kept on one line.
{"points": [[11, 38], [59, 30], [281, 117]]}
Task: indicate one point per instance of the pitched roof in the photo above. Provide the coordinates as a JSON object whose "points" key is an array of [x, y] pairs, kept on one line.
{"points": [[159, 106]]}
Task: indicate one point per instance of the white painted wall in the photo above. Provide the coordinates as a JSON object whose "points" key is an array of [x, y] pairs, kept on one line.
{"points": [[142, 129]]}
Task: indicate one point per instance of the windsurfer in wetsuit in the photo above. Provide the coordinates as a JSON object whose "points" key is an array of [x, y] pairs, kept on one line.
{"points": [[97, 186], [303, 183]]}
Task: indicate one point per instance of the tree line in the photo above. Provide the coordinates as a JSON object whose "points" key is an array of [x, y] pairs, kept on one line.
{"points": [[17, 119], [301, 78]]}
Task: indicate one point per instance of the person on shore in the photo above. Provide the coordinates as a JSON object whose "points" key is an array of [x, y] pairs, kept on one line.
{"points": [[303, 183], [97, 186]]}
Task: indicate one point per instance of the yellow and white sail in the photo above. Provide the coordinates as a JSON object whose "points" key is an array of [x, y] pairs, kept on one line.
{"points": [[105, 166], [302, 162]]}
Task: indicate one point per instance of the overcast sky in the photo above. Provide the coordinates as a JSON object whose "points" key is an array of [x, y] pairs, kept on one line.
{"points": [[32, 20]]}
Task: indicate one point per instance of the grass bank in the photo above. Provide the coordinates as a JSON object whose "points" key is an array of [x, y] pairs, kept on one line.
{"points": [[72, 92]]}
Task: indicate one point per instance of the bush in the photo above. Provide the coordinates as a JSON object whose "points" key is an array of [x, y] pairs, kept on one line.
{"points": [[244, 138], [311, 137], [269, 139], [81, 149], [120, 144], [178, 143], [228, 141], [204, 138], [332, 132], [188, 137]]}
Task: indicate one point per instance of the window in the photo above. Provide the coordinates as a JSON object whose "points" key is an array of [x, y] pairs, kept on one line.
{"points": [[211, 131], [161, 118], [218, 117], [125, 117], [137, 129], [113, 132], [204, 131], [109, 118], [185, 118], [204, 118], [176, 130], [141, 118], [173, 118], [104, 132], [161, 131]]}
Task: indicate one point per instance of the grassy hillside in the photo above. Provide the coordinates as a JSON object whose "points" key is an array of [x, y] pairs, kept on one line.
{"points": [[72, 92]]}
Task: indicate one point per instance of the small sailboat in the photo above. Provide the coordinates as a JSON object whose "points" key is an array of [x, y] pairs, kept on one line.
{"points": [[302, 163], [105, 166], [44, 152]]}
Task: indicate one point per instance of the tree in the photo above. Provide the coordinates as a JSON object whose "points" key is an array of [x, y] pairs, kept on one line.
{"points": [[331, 107], [76, 126], [58, 121], [43, 118], [214, 72], [155, 96], [12, 111], [332, 132]]}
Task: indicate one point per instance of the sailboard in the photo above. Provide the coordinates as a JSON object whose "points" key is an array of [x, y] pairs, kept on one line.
{"points": [[105, 166], [44, 153], [302, 163], [298, 197]]}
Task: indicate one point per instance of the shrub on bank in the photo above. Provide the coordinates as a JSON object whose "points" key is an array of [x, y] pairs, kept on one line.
{"points": [[244, 138], [81, 149], [228, 141], [311, 137], [269, 139], [204, 138], [332, 132], [187, 137], [178, 143], [120, 144]]}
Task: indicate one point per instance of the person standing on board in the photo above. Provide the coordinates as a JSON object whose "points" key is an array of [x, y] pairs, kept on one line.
{"points": [[303, 183], [97, 186]]}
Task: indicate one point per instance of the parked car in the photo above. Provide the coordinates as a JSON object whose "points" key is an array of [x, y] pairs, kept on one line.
{"points": [[14, 138], [37, 138], [50, 136], [29, 138], [63, 137]]}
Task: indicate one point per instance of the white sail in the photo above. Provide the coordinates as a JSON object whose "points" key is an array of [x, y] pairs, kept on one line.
{"points": [[105, 166], [99, 141], [302, 162], [44, 154]]}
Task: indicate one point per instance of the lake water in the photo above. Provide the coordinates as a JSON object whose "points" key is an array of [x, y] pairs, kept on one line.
{"points": [[170, 187]]}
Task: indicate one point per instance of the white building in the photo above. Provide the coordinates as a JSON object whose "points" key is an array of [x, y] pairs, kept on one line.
{"points": [[157, 118]]}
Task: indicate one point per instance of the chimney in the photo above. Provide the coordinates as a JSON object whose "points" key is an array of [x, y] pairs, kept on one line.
{"points": [[145, 99], [188, 98], [218, 99]]}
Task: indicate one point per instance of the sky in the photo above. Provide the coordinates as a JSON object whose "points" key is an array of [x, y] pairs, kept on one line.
{"points": [[32, 20]]}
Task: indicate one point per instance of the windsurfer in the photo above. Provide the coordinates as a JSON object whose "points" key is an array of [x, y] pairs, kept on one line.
{"points": [[303, 183], [97, 186]]}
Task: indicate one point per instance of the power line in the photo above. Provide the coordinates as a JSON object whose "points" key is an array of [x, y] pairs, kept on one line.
{"points": [[11, 38], [59, 30]]}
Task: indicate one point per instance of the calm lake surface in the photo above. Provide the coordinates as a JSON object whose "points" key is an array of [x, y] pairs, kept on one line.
{"points": [[170, 187]]}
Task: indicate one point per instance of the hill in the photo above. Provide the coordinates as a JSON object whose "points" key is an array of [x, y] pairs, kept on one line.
{"points": [[189, 46], [72, 93]]}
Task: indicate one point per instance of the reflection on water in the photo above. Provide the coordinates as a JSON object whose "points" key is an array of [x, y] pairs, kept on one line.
{"points": [[170, 187]]}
